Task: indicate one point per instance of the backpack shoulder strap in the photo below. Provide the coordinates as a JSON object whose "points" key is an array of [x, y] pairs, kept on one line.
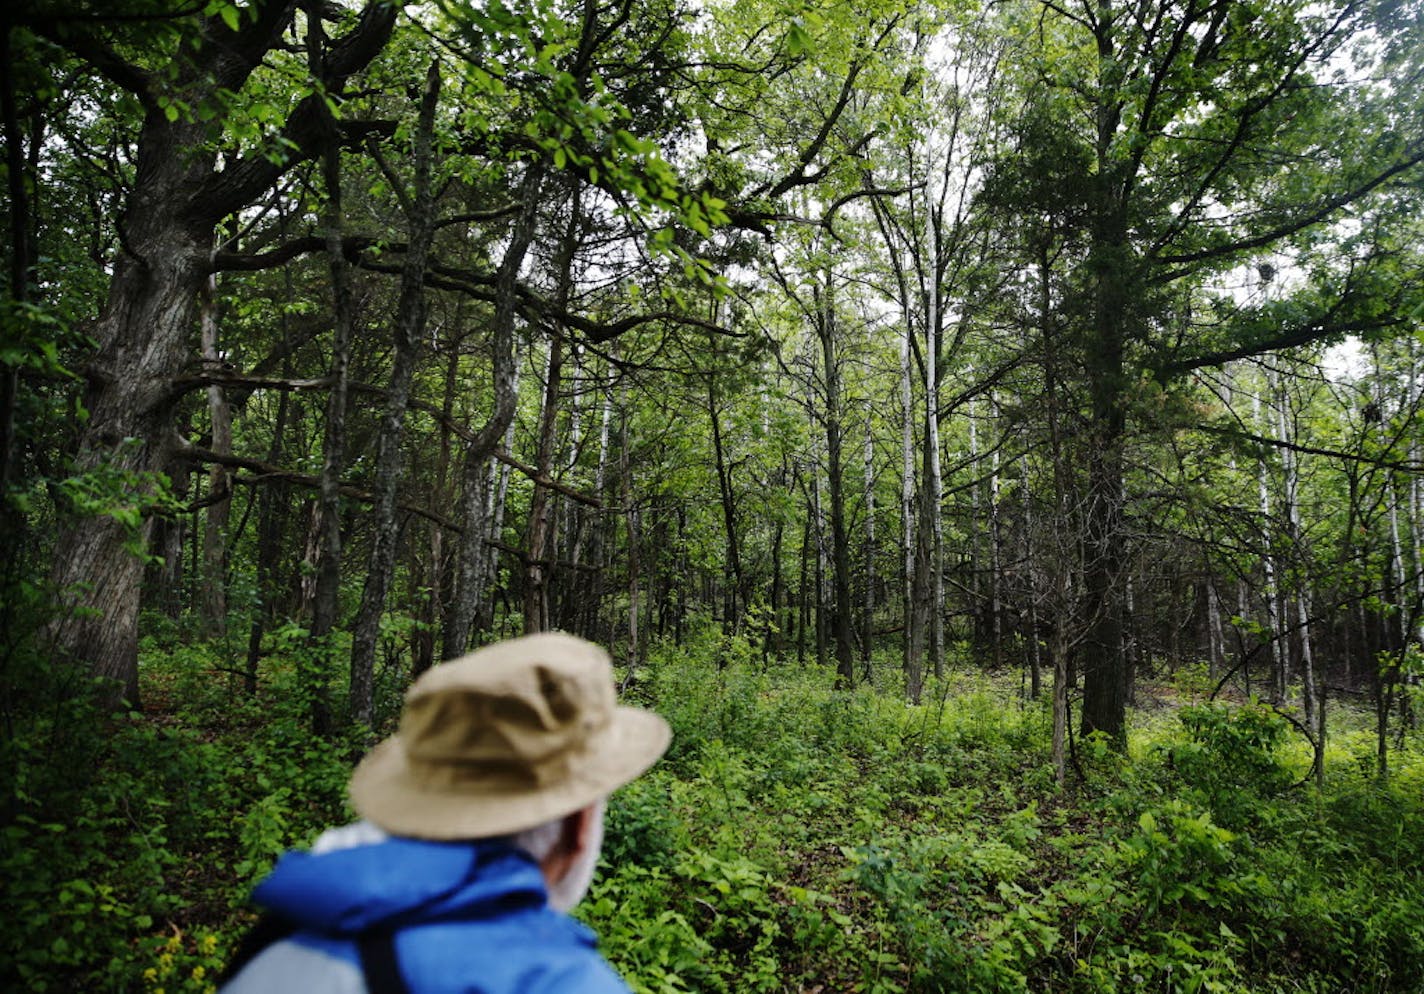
{"points": [[379, 963], [377, 950], [267, 930]]}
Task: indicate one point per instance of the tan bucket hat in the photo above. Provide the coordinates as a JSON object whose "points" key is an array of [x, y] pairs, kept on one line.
{"points": [[508, 737]]}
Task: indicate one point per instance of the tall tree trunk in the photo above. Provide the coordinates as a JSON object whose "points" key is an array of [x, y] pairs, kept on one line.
{"points": [[913, 642], [1105, 676], [802, 611], [1030, 559], [214, 573], [409, 335], [538, 563], [437, 588], [867, 569], [733, 583], [818, 515], [20, 180], [1290, 500], [932, 494], [269, 527], [840, 543], [572, 526], [996, 591], [631, 518], [604, 522], [326, 598], [497, 504], [1112, 265], [1268, 561], [459, 620]]}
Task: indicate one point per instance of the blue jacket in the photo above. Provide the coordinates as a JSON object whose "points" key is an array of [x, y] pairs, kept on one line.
{"points": [[470, 917]]}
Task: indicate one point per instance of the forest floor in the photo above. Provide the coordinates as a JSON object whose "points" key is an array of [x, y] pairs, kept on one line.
{"points": [[795, 838]]}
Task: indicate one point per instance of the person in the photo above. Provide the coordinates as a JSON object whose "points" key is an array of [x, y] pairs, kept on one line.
{"points": [[482, 820]]}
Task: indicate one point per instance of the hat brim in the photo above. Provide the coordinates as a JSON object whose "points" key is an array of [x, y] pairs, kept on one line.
{"points": [[384, 792]]}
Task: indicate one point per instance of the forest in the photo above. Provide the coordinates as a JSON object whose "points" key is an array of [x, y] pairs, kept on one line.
{"points": [[991, 432]]}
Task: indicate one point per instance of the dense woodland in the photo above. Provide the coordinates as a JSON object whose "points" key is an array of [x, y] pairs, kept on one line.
{"points": [[1078, 348]]}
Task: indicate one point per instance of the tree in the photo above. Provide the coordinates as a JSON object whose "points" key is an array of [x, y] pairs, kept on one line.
{"points": [[1199, 120], [178, 198]]}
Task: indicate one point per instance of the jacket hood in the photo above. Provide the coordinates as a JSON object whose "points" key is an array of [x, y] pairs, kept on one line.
{"points": [[400, 880]]}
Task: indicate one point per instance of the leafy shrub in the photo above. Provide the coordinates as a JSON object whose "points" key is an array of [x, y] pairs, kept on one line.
{"points": [[1232, 758]]}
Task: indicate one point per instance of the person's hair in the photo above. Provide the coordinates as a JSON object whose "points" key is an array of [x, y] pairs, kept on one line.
{"points": [[540, 840]]}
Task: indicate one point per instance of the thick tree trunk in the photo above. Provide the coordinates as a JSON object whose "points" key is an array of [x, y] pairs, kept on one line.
{"points": [[20, 179], [1105, 671], [1105, 676], [1112, 265], [145, 340]]}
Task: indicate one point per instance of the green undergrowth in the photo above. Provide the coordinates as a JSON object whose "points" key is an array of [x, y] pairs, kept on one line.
{"points": [[796, 838]]}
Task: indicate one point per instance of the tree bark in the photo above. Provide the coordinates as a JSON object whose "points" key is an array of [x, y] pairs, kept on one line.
{"points": [[1111, 263], [326, 596], [459, 620], [538, 565], [214, 573], [269, 527], [732, 601], [538, 561], [842, 605], [867, 570], [411, 312]]}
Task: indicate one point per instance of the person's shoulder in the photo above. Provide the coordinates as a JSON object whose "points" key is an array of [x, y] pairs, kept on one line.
{"points": [[301, 967], [588, 974], [537, 951]]}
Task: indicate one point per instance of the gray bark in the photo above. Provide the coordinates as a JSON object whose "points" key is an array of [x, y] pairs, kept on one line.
{"points": [[214, 574], [409, 334], [459, 620]]}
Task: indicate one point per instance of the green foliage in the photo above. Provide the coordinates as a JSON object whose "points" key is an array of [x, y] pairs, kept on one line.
{"points": [[129, 842], [1233, 757], [796, 837]]}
